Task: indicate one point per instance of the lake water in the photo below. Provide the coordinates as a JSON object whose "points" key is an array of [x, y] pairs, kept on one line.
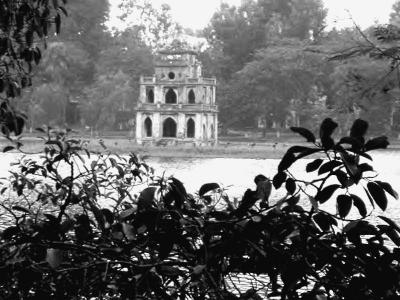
{"points": [[236, 175]]}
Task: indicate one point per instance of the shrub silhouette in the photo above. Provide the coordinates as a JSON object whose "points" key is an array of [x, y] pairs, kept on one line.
{"points": [[153, 240]]}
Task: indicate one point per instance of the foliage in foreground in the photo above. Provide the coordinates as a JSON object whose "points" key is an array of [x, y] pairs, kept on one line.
{"points": [[62, 242]]}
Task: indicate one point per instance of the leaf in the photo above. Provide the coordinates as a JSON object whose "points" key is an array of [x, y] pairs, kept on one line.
{"points": [[205, 188], [365, 167], [8, 148], [324, 221], [305, 133], [394, 236], [293, 200], [108, 215], [351, 166], [390, 222], [344, 203], [326, 129], [388, 188], [287, 160], [279, 179], [359, 129], [342, 177], [54, 257], [290, 186], [314, 165], [327, 192], [128, 231], [329, 166], [355, 143], [314, 203], [378, 194], [377, 143], [359, 203], [146, 198]]}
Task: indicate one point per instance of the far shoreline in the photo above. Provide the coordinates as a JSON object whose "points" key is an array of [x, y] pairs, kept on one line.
{"points": [[224, 149]]}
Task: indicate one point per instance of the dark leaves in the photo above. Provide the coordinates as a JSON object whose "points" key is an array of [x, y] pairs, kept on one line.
{"points": [[305, 133], [377, 143], [324, 221], [279, 179], [359, 203], [8, 148], [344, 203], [329, 166], [388, 188], [325, 132], [378, 194], [205, 188], [287, 160], [294, 153], [358, 130], [314, 165], [146, 198], [390, 222], [326, 193], [290, 186]]}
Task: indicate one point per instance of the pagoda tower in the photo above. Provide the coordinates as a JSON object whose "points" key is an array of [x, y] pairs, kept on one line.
{"points": [[177, 105]]}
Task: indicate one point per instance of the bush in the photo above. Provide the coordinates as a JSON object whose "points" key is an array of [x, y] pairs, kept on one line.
{"points": [[86, 225]]}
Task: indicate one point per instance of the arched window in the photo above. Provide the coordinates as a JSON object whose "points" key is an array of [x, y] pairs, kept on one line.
{"points": [[169, 128], [148, 127], [204, 132], [171, 75], [170, 97], [150, 96], [191, 97], [212, 131], [190, 128]]}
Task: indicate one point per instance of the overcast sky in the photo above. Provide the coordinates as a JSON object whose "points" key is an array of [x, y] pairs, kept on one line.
{"points": [[195, 14]]}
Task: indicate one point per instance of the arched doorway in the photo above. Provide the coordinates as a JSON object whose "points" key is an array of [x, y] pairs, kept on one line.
{"points": [[212, 131], [191, 97], [148, 127], [169, 128], [190, 128], [170, 97], [150, 96]]}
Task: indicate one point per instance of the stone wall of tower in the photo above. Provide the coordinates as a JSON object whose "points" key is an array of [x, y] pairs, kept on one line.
{"points": [[193, 121]]}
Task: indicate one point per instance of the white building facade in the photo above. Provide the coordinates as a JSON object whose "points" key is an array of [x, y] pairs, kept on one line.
{"points": [[176, 104]]}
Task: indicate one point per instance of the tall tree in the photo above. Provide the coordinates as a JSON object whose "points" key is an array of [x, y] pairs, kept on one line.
{"points": [[70, 62], [24, 26], [280, 79], [235, 33], [117, 79], [154, 25]]}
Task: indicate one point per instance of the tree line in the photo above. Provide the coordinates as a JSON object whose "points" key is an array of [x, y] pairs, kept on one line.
{"points": [[271, 59]]}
